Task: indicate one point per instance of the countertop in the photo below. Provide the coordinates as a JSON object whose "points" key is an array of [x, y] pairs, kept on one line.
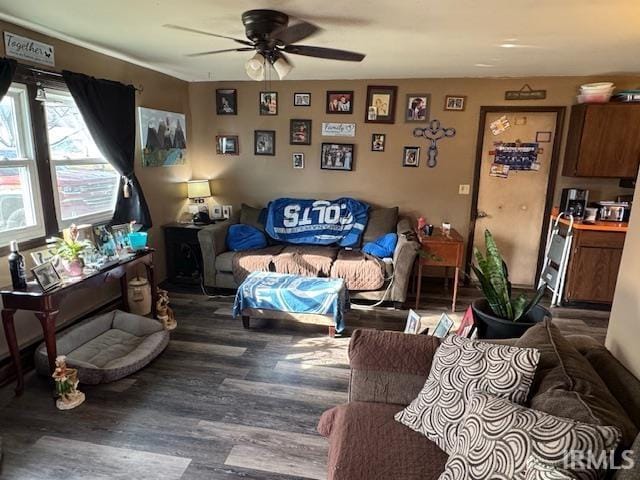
{"points": [[598, 226]]}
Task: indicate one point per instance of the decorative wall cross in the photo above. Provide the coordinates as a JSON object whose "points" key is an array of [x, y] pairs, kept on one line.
{"points": [[433, 133]]}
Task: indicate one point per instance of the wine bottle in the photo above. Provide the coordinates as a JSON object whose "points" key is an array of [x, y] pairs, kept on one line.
{"points": [[16, 267]]}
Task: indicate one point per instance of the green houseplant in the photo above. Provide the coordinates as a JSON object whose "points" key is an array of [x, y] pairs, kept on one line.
{"points": [[499, 314], [70, 251]]}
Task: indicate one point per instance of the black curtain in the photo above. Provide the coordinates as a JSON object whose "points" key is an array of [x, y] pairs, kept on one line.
{"points": [[109, 110], [7, 69]]}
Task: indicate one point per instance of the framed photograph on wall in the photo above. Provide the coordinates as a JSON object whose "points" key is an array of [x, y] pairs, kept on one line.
{"points": [[298, 160], [455, 103], [411, 157], [340, 101], [337, 156], [378, 141], [227, 145], [417, 107], [381, 104], [301, 99], [226, 101], [264, 142], [300, 132], [268, 103]]}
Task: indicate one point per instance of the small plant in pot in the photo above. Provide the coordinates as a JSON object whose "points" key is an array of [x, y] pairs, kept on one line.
{"points": [[498, 315], [70, 251]]}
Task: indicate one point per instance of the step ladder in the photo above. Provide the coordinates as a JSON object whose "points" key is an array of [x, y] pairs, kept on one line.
{"points": [[556, 259]]}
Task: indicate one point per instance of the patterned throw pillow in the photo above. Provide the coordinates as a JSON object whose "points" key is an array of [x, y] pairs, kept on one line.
{"points": [[460, 367], [501, 440]]}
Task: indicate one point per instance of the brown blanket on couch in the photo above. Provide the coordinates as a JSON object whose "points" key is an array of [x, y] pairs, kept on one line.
{"points": [[248, 261], [305, 260]]}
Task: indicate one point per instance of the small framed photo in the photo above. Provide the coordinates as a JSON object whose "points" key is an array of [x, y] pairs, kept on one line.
{"points": [[227, 145], [298, 160], [417, 107], [381, 104], [301, 99], [543, 137], [456, 103], [121, 237], [413, 323], [227, 210], [216, 212], [47, 276], [337, 156], [300, 132], [45, 255], [105, 243], [467, 325], [378, 141], [226, 101], [443, 327], [340, 102], [411, 157], [268, 103], [264, 142]]}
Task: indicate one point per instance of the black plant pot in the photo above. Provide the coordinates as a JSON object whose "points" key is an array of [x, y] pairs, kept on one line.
{"points": [[490, 326]]}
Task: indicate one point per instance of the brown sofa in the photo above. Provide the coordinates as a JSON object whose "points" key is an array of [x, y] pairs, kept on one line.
{"points": [[388, 369], [365, 276]]}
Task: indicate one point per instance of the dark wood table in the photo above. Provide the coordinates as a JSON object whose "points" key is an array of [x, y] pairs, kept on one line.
{"points": [[440, 250], [46, 305]]}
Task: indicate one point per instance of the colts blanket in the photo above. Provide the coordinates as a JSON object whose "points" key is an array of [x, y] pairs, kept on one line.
{"points": [[317, 222], [291, 293]]}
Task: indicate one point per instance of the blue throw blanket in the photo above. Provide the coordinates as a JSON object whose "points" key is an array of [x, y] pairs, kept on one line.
{"points": [[317, 222], [291, 293]]}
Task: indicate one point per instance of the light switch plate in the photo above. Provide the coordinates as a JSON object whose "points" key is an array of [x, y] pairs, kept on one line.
{"points": [[463, 190]]}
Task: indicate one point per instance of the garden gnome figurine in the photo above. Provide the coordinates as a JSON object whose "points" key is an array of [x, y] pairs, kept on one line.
{"points": [[164, 311], [66, 385]]}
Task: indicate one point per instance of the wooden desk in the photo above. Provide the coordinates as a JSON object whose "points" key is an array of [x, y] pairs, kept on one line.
{"points": [[46, 305], [440, 250]]}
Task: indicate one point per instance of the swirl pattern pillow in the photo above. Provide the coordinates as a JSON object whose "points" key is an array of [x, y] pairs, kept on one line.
{"points": [[501, 440], [460, 367]]}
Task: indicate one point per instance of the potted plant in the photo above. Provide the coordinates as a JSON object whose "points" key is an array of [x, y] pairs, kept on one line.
{"points": [[498, 315], [70, 251]]}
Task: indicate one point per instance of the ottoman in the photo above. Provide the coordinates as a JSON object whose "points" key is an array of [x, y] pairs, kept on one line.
{"points": [[292, 297]]}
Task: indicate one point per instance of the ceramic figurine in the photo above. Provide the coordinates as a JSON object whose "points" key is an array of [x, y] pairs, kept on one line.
{"points": [[66, 385], [164, 312]]}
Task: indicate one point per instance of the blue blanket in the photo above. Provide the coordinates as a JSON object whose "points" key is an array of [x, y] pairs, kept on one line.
{"points": [[317, 222], [291, 293]]}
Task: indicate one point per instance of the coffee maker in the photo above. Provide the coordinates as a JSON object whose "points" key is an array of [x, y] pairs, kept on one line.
{"points": [[574, 201]]}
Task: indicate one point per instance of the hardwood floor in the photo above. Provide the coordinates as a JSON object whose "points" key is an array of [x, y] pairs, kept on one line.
{"points": [[220, 403]]}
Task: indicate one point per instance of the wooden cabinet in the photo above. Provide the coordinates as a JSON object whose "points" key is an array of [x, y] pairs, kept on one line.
{"points": [[603, 141], [593, 266]]}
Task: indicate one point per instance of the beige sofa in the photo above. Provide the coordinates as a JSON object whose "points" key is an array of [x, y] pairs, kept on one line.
{"points": [[366, 277]]}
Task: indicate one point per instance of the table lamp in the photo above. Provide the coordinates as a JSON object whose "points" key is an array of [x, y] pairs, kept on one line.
{"points": [[198, 190]]}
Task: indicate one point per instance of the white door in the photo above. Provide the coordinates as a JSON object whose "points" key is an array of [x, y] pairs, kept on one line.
{"points": [[512, 206]]}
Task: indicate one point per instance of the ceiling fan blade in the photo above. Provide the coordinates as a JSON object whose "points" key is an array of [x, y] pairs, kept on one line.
{"points": [[193, 30], [296, 32], [321, 52], [213, 52]]}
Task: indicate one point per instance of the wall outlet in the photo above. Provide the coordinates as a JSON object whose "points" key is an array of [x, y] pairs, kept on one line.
{"points": [[463, 190]]}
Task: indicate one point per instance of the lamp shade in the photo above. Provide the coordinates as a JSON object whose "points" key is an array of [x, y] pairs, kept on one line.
{"points": [[198, 189]]}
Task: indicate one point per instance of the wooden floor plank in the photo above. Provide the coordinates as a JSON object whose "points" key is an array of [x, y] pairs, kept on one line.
{"points": [[211, 348], [285, 392], [271, 459]]}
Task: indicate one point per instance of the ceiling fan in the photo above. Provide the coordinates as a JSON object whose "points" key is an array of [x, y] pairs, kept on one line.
{"points": [[270, 35]]}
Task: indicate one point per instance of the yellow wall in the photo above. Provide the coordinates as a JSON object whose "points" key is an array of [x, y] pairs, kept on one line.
{"points": [[162, 190], [624, 324]]}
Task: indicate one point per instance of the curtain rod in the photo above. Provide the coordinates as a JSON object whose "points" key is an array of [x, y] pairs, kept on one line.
{"points": [[139, 89]]}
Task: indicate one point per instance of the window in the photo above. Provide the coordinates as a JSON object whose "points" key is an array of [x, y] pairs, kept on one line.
{"points": [[52, 174], [85, 185], [20, 204]]}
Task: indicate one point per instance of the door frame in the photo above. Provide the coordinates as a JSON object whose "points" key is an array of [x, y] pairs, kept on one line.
{"points": [[551, 184]]}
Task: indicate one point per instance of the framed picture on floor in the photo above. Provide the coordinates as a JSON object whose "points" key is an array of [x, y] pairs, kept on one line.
{"points": [[340, 102], [381, 104], [227, 145], [337, 156], [411, 157], [301, 99], [377, 142], [300, 132], [264, 142], [226, 101], [417, 107], [268, 103], [298, 160], [413, 323], [443, 327]]}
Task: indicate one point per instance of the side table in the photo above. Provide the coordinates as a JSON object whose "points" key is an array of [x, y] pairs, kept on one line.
{"points": [[184, 257], [440, 250]]}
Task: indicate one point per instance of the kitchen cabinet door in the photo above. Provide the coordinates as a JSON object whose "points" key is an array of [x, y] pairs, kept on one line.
{"points": [[603, 141], [593, 272]]}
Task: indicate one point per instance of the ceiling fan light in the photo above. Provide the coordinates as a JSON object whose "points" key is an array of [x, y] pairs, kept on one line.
{"points": [[282, 67], [255, 67]]}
